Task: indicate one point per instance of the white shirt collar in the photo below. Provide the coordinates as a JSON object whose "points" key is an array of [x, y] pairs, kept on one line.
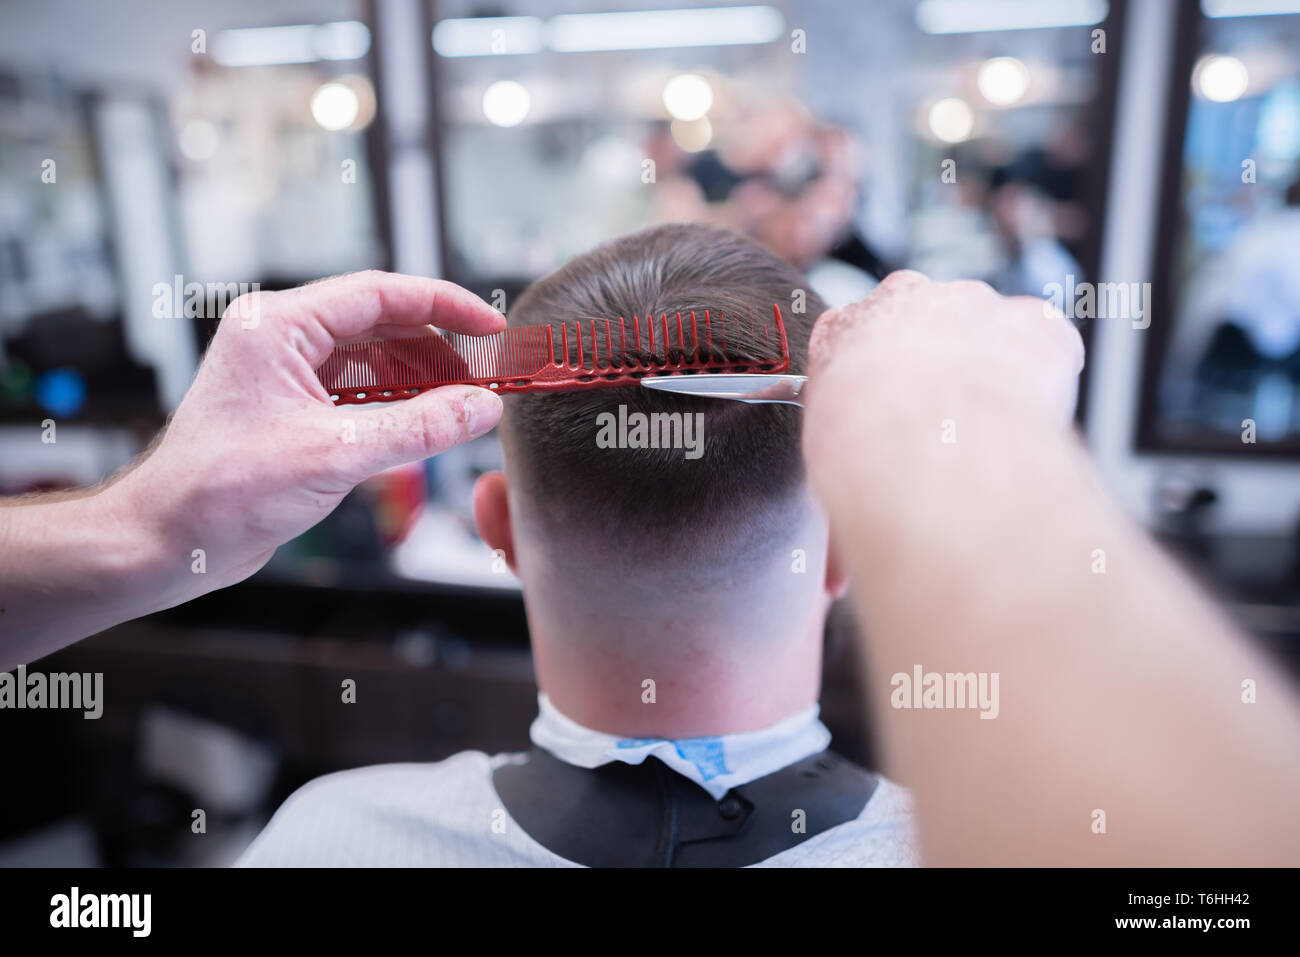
{"points": [[716, 763]]}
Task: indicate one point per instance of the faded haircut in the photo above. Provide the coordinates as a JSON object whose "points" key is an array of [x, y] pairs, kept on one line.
{"points": [[646, 499]]}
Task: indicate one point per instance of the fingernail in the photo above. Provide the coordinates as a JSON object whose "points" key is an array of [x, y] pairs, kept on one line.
{"points": [[481, 410]]}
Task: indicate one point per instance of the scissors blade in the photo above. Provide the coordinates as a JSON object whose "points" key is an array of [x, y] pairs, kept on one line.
{"points": [[763, 388]]}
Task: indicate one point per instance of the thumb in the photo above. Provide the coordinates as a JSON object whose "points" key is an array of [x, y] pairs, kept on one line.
{"points": [[417, 428]]}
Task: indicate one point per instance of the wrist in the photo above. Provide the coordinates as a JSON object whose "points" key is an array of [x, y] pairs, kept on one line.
{"points": [[149, 564]]}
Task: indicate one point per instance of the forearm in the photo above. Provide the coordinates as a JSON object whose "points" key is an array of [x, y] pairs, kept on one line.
{"points": [[1120, 687], [73, 565]]}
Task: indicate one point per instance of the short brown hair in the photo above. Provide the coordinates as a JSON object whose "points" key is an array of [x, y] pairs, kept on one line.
{"points": [[657, 497]]}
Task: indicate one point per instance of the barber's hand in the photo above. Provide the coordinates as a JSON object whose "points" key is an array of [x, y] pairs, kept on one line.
{"points": [[916, 356], [257, 453], [913, 337]]}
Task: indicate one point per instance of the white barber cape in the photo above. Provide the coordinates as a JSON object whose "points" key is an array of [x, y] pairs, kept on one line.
{"points": [[447, 814]]}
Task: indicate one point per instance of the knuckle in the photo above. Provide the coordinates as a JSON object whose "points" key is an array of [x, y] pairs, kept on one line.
{"points": [[243, 304], [827, 319], [245, 311], [389, 426], [1052, 310], [443, 423], [827, 327], [902, 279], [1034, 307], [975, 287], [1073, 341]]}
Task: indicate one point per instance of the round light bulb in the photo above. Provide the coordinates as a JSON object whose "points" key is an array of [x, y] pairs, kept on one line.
{"points": [[688, 97], [951, 120], [506, 103], [334, 106], [1221, 79], [1003, 80]]}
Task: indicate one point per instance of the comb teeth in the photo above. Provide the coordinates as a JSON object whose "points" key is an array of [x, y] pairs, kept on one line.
{"points": [[581, 354]]}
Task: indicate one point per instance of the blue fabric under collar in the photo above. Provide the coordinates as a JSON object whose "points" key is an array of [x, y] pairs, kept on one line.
{"points": [[717, 763]]}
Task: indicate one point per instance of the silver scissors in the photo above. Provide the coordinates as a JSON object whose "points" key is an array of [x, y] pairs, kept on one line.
{"points": [[761, 388]]}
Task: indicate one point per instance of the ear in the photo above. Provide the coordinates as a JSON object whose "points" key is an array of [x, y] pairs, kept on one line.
{"points": [[837, 577], [492, 515]]}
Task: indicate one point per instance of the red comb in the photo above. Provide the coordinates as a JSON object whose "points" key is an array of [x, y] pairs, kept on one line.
{"points": [[589, 354]]}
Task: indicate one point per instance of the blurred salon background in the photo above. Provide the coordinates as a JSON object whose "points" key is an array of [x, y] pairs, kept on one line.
{"points": [[1137, 160]]}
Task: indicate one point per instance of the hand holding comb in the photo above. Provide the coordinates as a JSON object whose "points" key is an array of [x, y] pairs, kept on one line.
{"points": [[583, 354]]}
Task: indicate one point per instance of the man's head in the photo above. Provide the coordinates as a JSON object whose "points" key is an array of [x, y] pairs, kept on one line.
{"points": [[637, 553]]}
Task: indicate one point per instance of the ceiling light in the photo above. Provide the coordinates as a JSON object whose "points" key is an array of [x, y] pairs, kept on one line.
{"points": [[951, 120], [303, 43], [688, 97], [335, 106], [506, 103], [1221, 79], [983, 16], [1003, 80]]}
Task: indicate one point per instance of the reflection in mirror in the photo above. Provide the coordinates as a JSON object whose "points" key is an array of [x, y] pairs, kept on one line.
{"points": [[1229, 372]]}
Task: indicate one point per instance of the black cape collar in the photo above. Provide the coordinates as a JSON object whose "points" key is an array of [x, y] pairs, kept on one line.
{"points": [[648, 815]]}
